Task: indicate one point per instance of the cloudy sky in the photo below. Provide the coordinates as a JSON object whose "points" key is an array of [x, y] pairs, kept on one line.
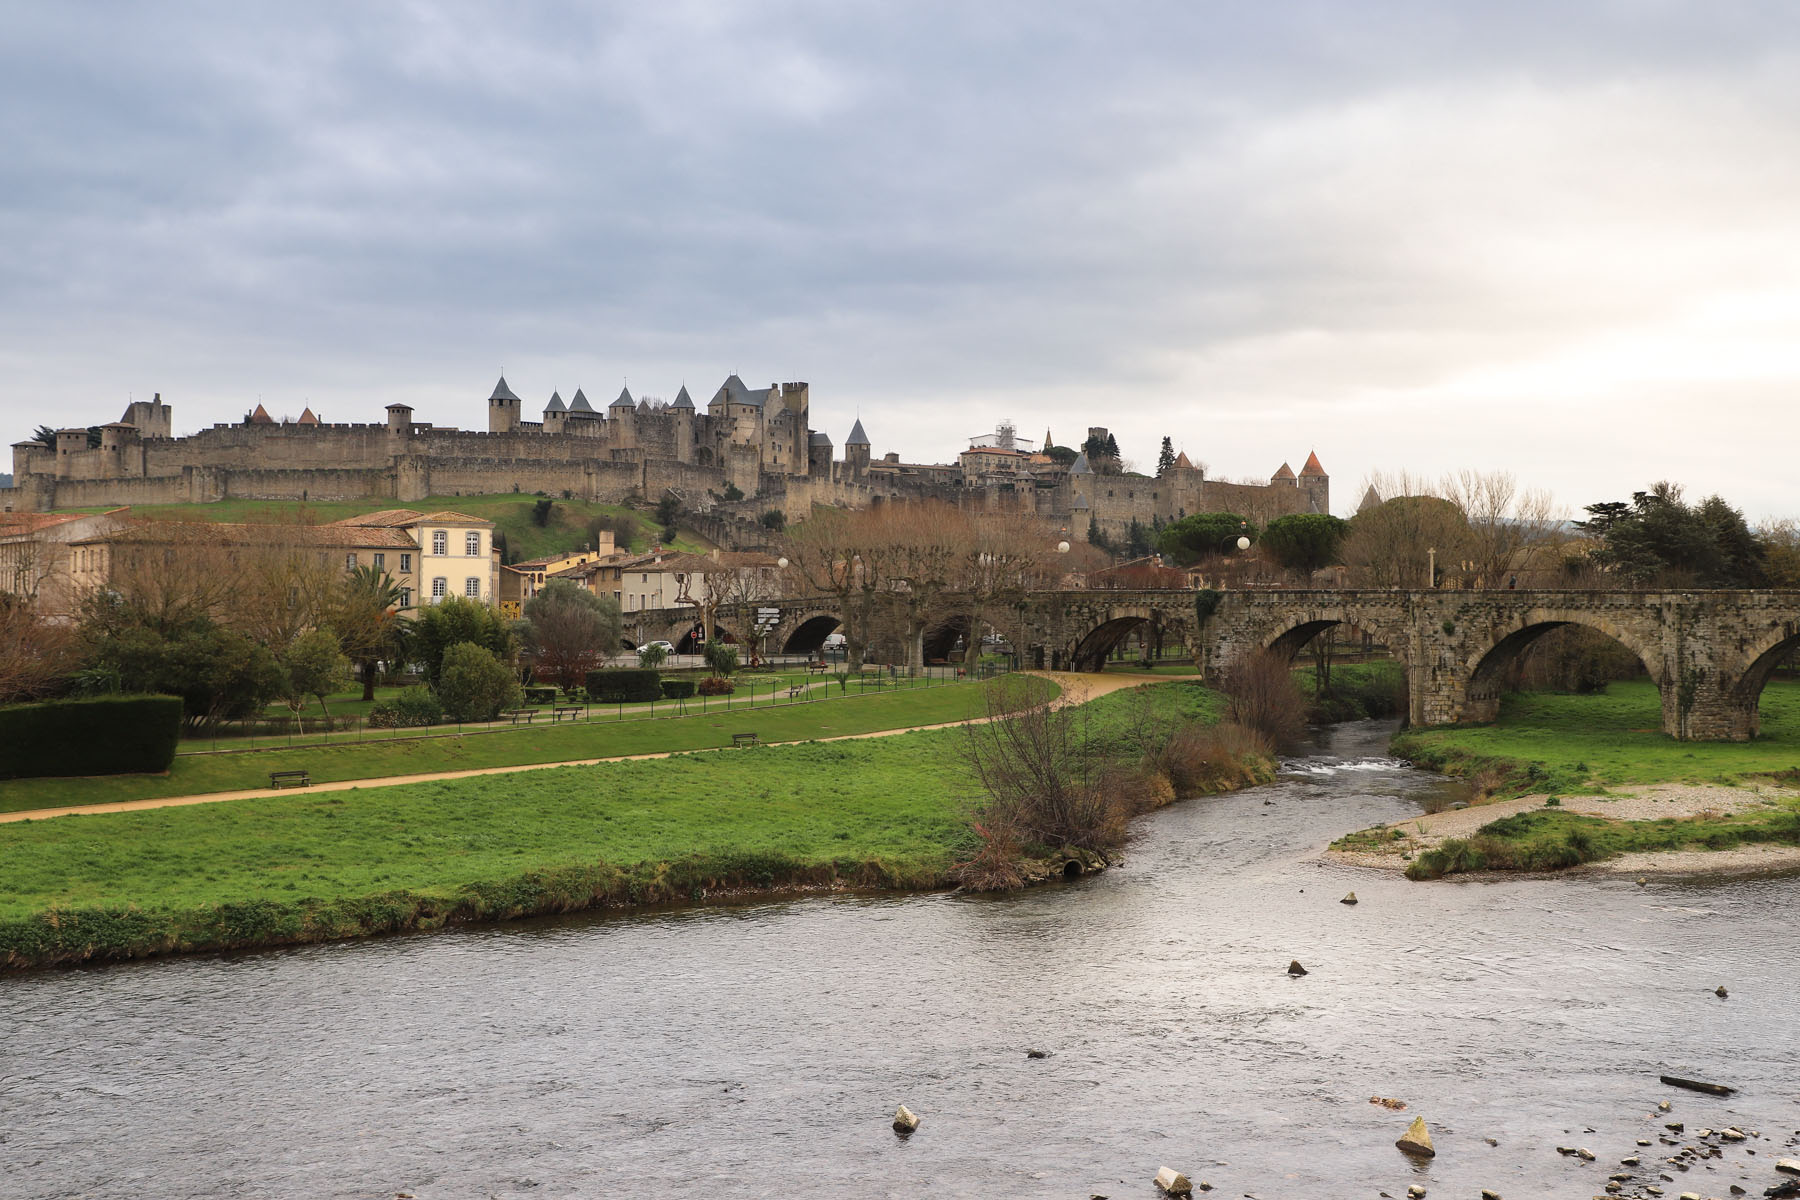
{"points": [[1561, 239]]}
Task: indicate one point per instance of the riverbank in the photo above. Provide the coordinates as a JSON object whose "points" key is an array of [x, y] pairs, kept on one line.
{"points": [[891, 812], [1589, 782]]}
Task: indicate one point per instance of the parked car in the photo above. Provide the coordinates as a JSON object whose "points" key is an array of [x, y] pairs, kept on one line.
{"points": [[665, 647]]}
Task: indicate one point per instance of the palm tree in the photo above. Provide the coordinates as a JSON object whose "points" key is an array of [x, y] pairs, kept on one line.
{"points": [[367, 620]]}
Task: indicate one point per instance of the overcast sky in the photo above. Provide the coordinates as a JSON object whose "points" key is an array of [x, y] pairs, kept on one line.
{"points": [[1560, 239]]}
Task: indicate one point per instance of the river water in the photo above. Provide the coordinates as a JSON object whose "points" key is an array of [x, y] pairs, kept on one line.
{"points": [[760, 1050]]}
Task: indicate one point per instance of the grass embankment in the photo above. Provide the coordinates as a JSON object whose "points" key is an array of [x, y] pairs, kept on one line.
{"points": [[1358, 691], [890, 812], [511, 513], [1574, 745], [196, 774]]}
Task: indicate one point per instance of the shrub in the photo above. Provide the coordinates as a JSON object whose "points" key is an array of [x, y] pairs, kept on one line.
{"points": [[474, 685], [1265, 698], [722, 658], [677, 689], [540, 695], [106, 735], [651, 657], [716, 685], [624, 685], [415, 707], [1201, 759]]}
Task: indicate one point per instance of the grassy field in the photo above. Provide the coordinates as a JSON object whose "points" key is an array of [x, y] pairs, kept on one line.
{"points": [[889, 812], [510, 512], [243, 770], [1550, 742]]}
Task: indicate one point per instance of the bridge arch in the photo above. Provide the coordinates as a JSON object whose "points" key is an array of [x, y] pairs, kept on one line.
{"points": [[810, 631], [1744, 685], [1488, 666], [1091, 651], [1288, 637]]}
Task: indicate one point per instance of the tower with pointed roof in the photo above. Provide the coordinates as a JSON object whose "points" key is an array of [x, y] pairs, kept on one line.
{"points": [[1315, 484], [556, 414], [856, 452], [503, 409]]}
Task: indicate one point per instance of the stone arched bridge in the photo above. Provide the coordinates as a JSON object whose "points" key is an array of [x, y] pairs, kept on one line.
{"points": [[1709, 652]]}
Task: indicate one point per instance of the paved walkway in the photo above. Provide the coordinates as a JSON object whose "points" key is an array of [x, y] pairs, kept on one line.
{"points": [[1076, 689]]}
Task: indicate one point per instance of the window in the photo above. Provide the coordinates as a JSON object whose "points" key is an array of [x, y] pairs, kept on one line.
{"points": [[405, 597], [438, 587], [472, 588], [380, 562], [440, 542], [406, 562], [472, 544], [350, 561]]}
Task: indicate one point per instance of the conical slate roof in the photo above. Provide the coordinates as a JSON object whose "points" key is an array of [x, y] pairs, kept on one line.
{"points": [[502, 392], [682, 399], [644, 407], [624, 400], [819, 438], [857, 436], [1312, 467], [1080, 465], [580, 403], [556, 404]]}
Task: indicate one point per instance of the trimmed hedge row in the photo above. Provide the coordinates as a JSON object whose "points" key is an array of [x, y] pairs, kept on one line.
{"points": [[627, 685], [677, 689], [105, 735]]}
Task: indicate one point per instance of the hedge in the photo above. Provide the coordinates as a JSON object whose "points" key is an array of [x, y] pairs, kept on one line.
{"points": [[627, 685], [540, 695], [106, 735], [677, 689]]}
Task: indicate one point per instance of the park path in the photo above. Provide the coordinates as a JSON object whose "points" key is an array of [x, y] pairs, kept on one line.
{"points": [[1076, 689]]}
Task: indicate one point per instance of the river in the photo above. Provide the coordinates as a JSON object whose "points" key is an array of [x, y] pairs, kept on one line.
{"points": [[760, 1050]]}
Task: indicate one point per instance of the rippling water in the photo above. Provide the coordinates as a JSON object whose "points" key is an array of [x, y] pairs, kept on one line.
{"points": [[760, 1051]]}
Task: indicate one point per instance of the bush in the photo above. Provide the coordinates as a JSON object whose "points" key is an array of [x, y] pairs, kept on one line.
{"points": [[722, 658], [716, 685], [107, 735], [1265, 698], [651, 657], [624, 685], [540, 695], [677, 689], [1203, 759], [413, 708], [474, 685]]}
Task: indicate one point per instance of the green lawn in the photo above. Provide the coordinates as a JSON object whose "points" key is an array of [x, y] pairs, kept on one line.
{"points": [[199, 773], [510, 512], [1550, 742], [889, 811]]}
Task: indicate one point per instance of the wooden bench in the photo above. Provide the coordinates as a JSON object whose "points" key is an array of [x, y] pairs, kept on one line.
{"points": [[516, 713], [795, 690], [287, 779], [817, 668], [571, 711], [745, 739]]}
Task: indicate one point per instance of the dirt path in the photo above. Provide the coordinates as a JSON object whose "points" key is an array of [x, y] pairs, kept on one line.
{"points": [[1076, 689]]}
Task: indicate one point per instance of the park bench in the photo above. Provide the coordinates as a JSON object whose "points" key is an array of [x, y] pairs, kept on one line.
{"points": [[287, 779], [516, 713], [571, 711], [745, 739], [817, 668], [795, 690]]}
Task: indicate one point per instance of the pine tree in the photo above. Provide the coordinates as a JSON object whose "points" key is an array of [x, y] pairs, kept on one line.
{"points": [[1166, 459], [1112, 447]]}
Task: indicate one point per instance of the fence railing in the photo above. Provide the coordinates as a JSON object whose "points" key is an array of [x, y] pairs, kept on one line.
{"points": [[753, 692]]}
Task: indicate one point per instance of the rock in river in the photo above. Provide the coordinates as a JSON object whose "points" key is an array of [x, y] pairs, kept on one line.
{"points": [[905, 1120], [1294, 968], [1417, 1140]]}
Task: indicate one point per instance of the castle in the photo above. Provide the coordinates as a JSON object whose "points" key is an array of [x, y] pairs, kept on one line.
{"points": [[749, 451]]}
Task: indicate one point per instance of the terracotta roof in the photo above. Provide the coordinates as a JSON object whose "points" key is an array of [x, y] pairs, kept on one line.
{"points": [[1286, 472], [996, 450], [1312, 467], [11, 523], [673, 561], [446, 517], [260, 416], [306, 417], [1181, 460], [386, 517], [219, 533]]}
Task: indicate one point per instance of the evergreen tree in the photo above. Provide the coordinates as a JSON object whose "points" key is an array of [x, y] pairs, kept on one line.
{"points": [[1166, 459], [1112, 447]]}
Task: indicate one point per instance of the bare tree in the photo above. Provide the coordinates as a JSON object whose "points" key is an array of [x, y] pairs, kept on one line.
{"points": [[1504, 524], [1409, 539], [36, 655]]}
